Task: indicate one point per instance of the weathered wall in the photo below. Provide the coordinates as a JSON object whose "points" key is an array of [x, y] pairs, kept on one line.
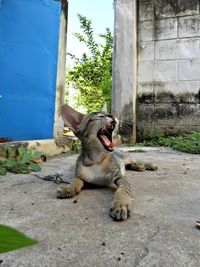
{"points": [[168, 97]]}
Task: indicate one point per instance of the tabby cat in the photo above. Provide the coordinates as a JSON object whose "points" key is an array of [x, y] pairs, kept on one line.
{"points": [[98, 163]]}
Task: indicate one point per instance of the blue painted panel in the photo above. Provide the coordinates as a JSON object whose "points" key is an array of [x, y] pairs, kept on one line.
{"points": [[29, 33]]}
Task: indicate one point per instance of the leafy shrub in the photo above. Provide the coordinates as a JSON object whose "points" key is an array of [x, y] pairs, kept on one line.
{"points": [[92, 73]]}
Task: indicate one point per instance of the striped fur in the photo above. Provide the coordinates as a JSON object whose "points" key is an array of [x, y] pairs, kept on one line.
{"points": [[99, 164]]}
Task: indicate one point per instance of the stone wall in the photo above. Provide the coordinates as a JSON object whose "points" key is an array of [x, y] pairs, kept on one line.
{"points": [[168, 95]]}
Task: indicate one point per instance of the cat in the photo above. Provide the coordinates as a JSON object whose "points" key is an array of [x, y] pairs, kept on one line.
{"points": [[98, 163]]}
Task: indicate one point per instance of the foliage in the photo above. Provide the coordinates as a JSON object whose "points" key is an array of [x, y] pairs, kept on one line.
{"points": [[76, 147], [92, 73], [189, 143], [25, 161], [11, 239]]}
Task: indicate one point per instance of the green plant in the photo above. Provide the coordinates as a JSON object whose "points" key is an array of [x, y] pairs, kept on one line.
{"points": [[92, 73], [11, 239], [189, 143], [24, 162], [76, 147]]}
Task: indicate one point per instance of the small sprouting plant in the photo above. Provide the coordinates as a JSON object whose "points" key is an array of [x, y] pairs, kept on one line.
{"points": [[25, 161]]}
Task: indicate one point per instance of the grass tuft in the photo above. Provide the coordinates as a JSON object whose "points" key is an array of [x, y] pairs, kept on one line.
{"points": [[189, 143]]}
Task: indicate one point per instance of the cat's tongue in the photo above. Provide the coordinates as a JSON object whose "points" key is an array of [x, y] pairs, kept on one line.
{"points": [[107, 142], [112, 145]]}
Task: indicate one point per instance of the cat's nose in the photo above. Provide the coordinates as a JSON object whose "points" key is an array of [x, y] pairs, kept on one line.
{"points": [[115, 120]]}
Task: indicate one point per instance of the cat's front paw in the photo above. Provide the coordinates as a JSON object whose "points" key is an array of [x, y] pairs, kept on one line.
{"points": [[119, 211], [66, 191]]}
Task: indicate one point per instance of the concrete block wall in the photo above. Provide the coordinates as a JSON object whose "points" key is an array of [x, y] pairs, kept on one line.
{"points": [[168, 87]]}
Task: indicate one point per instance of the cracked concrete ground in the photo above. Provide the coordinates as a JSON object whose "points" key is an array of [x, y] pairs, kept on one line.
{"points": [[161, 230]]}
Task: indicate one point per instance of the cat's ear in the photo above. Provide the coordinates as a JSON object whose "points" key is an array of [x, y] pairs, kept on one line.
{"points": [[72, 117]]}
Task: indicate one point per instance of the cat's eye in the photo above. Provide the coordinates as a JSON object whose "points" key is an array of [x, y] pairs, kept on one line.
{"points": [[92, 119], [101, 115], [110, 116]]}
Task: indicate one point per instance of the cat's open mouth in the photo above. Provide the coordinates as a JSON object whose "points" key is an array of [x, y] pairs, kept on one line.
{"points": [[105, 136]]}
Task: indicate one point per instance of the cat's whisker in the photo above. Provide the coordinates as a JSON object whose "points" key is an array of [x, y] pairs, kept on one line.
{"points": [[126, 127], [126, 122]]}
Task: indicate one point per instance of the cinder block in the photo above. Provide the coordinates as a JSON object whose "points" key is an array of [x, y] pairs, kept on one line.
{"points": [[145, 51], [165, 92], [144, 131], [146, 31], [189, 70], [187, 48], [145, 71], [165, 70], [146, 10], [187, 87], [176, 87], [145, 113], [176, 114], [169, 9], [177, 49], [177, 92], [166, 130], [166, 29], [165, 49], [160, 87], [165, 111], [145, 93], [175, 128], [145, 88], [192, 111], [189, 26]]}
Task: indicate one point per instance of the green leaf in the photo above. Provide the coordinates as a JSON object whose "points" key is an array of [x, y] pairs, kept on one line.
{"points": [[3, 170], [9, 163], [38, 155], [10, 152], [24, 156], [11, 239], [20, 168], [34, 167], [22, 150]]}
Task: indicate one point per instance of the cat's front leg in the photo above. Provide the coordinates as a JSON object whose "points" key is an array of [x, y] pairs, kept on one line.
{"points": [[121, 205], [70, 190]]}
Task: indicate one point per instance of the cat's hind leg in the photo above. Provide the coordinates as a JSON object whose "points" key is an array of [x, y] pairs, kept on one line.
{"points": [[70, 190], [140, 166]]}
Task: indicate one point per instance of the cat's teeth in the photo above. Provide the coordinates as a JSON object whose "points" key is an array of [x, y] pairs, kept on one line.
{"points": [[110, 125]]}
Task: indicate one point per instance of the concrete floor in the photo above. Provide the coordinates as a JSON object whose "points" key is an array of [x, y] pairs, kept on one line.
{"points": [[161, 230]]}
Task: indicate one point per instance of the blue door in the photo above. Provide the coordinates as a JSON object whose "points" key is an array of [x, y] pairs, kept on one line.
{"points": [[29, 35]]}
